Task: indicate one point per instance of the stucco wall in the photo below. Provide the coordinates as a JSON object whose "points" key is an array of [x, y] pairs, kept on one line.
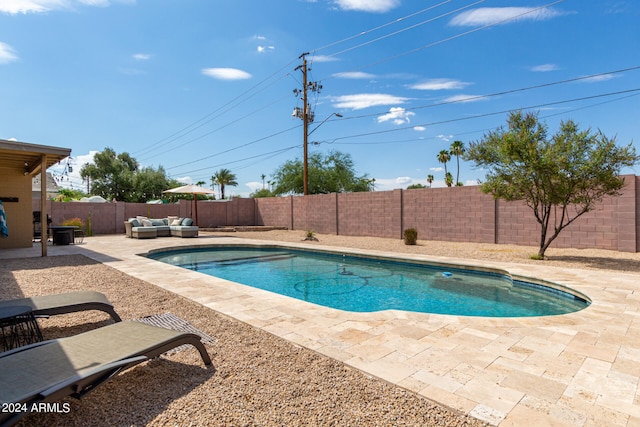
{"points": [[13, 184]]}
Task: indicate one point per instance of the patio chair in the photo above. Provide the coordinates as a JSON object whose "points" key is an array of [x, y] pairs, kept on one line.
{"points": [[50, 305], [72, 366]]}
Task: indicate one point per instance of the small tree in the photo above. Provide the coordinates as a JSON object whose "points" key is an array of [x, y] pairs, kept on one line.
{"points": [[223, 178], [430, 180], [443, 157], [457, 149], [330, 173], [559, 178]]}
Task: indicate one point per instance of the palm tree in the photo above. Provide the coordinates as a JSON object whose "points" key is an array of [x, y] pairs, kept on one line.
{"points": [[457, 149], [448, 179], [429, 180], [224, 177], [443, 157], [263, 176]]}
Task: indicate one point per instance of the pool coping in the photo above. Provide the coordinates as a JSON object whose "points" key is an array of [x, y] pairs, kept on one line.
{"points": [[545, 285], [577, 369]]}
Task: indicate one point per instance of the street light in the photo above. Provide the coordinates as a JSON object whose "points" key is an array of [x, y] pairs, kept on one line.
{"points": [[305, 167]]}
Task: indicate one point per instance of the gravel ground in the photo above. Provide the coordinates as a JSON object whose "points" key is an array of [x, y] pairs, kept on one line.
{"points": [[257, 379]]}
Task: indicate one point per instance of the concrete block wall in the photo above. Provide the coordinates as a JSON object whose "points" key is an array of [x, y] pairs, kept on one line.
{"points": [[315, 213], [461, 214], [378, 213], [274, 211], [457, 214]]}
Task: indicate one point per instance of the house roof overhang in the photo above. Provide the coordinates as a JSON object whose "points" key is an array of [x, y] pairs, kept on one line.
{"points": [[29, 157]]}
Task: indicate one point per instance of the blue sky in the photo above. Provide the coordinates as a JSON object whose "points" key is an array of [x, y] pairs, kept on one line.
{"points": [[199, 85]]}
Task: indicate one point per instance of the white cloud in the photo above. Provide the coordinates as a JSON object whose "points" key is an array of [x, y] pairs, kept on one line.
{"points": [[13, 7], [141, 56], [419, 128], [463, 98], [544, 68], [254, 185], [264, 49], [438, 169], [7, 54], [499, 15], [404, 180], [440, 84], [378, 6], [445, 138], [226, 73], [600, 78], [366, 100], [398, 115], [354, 75], [259, 37], [324, 58]]}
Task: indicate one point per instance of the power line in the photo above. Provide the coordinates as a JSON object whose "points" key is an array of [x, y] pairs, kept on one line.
{"points": [[362, 33], [238, 100], [215, 130], [282, 150], [395, 33], [504, 92], [483, 115], [419, 139], [441, 41], [236, 148]]}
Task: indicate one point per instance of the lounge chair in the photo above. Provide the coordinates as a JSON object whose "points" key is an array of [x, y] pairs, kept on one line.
{"points": [[49, 305], [72, 366]]}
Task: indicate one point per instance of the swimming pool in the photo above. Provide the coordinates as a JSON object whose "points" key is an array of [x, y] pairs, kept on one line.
{"points": [[362, 284]]}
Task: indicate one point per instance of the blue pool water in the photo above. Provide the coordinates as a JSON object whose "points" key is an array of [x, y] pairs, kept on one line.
{"points": [[364, 285]]}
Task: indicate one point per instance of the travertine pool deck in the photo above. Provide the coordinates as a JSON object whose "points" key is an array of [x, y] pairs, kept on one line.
{"points": [[580, 369]]}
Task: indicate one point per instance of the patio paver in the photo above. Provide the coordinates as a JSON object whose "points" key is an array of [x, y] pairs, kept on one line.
{"points": [[579, 369]]}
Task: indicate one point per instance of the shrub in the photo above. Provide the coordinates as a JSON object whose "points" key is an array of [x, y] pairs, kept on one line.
{"points": [[311, 235], [75, 222], [410, 236]]}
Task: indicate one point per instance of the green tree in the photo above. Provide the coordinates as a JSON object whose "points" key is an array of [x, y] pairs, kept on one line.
{"points": [[430, 180], [444, 157], [263, 192], [67, 195], [448, 179], [416, 186], [559, 177], [149, 183], [223, 178], [333, 173], [111, 175], [457, 149]]}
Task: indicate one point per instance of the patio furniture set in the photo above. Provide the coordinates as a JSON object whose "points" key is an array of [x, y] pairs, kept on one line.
{"points": [[149, 228]]}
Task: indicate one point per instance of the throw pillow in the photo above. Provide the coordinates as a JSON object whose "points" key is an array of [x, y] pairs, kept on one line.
{"points": [[134, 222], [175, 222], [146, 223], [187, 222]]}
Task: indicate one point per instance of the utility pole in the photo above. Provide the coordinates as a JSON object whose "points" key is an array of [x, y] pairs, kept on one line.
{"points": [[306, 115]]}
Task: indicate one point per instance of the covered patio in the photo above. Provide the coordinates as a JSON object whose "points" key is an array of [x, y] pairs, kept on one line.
{"points": [[19, 163]]}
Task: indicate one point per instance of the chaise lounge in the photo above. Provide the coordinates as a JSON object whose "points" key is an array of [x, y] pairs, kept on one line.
{"points": [[73, 366], [71, 302]]}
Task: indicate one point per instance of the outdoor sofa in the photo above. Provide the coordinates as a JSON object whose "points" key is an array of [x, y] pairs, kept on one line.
{"points": [[149, 228]]}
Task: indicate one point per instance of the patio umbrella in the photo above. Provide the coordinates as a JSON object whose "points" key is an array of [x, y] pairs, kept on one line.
{"points": [[191, 189]]}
